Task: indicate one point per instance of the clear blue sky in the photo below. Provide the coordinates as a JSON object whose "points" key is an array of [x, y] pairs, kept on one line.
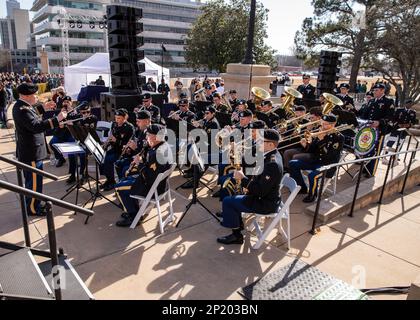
{"points": [[285, 18]]}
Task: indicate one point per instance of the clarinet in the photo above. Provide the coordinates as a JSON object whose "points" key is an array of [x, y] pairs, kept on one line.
{"points": [[134, 167]]}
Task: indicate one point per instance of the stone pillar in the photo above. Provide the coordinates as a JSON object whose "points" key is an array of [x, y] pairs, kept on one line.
{"points": [[238, 77], [45, 68]]}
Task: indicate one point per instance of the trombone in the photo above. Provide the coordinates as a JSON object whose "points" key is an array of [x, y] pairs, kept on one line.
{"points": [[312, 135]]}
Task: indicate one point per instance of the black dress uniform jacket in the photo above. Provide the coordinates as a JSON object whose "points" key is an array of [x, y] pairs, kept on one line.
{"points": [[151, 169], [155, 113], [308, 93], [348, 102], [123, 134], [30, 128], [263, 189], [327, 151], [381, 110]]}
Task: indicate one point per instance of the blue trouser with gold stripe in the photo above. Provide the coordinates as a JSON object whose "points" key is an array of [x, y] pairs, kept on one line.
{"points": [[33, 182], [123, 191], [295, 172]]}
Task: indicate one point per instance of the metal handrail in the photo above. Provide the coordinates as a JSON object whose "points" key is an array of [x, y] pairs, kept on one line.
{"points": [[28, 168], [390, 154], [43, 197]]}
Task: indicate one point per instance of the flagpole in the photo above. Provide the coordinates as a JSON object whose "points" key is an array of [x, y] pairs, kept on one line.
{"points": [[163, 52]]}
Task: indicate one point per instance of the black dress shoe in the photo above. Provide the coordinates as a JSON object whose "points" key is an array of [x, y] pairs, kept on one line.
{"points": [[109, 186], [309, 198], [216, 194], [231, 239], [188, 175], [219, 214], [124, 222], [125, 215], [71, 180], [60, 163]]}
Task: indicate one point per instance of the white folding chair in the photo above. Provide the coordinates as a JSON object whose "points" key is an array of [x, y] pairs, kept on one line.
{"points": [[102, 129], [153, 198], [283, 213]]}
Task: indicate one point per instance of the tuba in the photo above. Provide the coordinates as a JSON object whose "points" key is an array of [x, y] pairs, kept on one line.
{"points": [[332, 101], [291, 95], [260, 95]]}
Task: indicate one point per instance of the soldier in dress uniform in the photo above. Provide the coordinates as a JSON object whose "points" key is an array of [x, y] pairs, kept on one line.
{"points": [[219, 106], [233, 100], [150, 107], [30, 139], [241, 105], [380, 111], [184, 113], [404, 117], [344, 96], [270, 118], [157, 160], [121, 132], [363, 109], [326, 147], [135, 145], [261, 192], [307, 90]]}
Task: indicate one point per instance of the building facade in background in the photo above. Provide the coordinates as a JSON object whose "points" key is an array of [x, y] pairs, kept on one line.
{"points": [[166, 22], [15, 34], [86, 30]]}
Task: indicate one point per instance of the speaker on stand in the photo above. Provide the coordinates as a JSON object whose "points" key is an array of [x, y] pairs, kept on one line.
{"points": [[329, 69]]}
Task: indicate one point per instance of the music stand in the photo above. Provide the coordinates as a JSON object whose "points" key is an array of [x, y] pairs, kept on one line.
{"points": [[197, 163], [99, 155], [72, 149]]}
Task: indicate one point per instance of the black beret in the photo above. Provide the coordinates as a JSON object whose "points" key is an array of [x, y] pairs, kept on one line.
{"points": [[232, 91], [369, 93], [379, 86], [282, 95], [143, 114], [211, 109], [267, 103], [258, 124], [27, 89], [246, 113], [217, 95], [67, 98], [155, 128], [182, 95], [299, 108], [183, 101], [271, 134], [345, 85], [241, 101], [306, 76], [121, 112], [409, 101], [147, 96], [330, 118]]}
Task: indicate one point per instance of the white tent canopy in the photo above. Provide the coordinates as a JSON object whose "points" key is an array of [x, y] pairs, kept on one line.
{"points": [[81, 74]]}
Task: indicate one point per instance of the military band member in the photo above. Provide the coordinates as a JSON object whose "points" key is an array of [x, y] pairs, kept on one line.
{"points": [[380, 111], [326, 148], [261, 191], [158, 160], [233, 100], [404, 117], [307, 90], [135, 145], [240, 107], [30, 140], [184, 113], [298, 152], [270, 118], [363, 109], [220, 107], [121, 132], [150, 107], [344, 96]]}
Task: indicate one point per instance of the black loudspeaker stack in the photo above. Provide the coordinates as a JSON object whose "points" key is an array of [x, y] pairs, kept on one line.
{"points": [[329, 69]]}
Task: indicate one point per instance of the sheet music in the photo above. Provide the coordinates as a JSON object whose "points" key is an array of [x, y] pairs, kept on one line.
{"points": [[69, 148]]}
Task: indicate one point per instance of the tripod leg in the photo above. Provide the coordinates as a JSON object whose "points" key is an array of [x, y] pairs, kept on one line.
{"points": [[211, 213], [183, 215]]}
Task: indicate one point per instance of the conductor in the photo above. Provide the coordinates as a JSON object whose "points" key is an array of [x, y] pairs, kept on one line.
{"points": [[30, 140]]}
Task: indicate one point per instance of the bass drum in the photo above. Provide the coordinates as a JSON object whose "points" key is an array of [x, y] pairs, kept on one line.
{"points": [[365, 140]]}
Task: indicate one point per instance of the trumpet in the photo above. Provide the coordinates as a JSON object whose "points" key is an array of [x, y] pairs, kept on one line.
{"points": [[174, 113], [283, 124], [310, 135], [198, 123]]}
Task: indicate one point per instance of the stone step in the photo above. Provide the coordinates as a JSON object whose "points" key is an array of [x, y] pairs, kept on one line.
{"points": [[369, 192]]}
